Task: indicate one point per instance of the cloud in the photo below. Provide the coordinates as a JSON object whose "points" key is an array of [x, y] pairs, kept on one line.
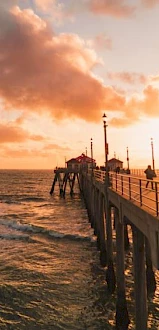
{"points": [[15, 134], [116, 8], [23, 153], [128, 77], [137, 107], [45, 4], [44, 72], [150, 3], [56, 147], [154, 78], [101, 41], [53, 10]]}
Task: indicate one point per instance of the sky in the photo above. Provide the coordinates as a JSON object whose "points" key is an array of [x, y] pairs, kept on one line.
{"points": [[63, 64]]}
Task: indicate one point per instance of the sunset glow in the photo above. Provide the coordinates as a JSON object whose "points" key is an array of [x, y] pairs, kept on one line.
{"points": [[62, 65]]}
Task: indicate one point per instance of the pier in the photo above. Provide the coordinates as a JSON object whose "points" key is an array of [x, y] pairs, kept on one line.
{"points": [[118, 201]]}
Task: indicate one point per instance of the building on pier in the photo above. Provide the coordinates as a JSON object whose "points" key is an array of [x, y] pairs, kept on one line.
{"points": [[113, 163], [81, 162]]}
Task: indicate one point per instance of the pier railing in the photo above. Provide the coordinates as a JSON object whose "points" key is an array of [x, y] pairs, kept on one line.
{"points": [[134, 189], [140, 172]]}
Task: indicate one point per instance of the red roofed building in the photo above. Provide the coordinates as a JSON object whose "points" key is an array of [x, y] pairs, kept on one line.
{"points": [[81, 162]]}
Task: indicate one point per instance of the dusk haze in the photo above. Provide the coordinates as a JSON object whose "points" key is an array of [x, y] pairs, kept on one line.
{"points": [[79, 165], [63, 64]]}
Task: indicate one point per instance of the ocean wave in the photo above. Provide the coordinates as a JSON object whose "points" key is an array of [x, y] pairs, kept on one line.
{"points": [[21, 199], [10, 201], [16, 237], [32, 199], [43, 231]]}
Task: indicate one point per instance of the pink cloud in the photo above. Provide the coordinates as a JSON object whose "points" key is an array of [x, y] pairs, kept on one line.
{"points": [[41, 71], [116, 8], [150, 3], [44, 72], [128, 77], [45, 4], [101, 41]]}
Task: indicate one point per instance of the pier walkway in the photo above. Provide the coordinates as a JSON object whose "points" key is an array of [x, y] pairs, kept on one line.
{"points": [[125, 199]]}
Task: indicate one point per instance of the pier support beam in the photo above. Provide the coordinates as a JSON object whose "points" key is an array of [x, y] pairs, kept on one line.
{"points": [[140, 279], [150, 276], [126, 237], [102, 232], [110, 273], [122, 317]]}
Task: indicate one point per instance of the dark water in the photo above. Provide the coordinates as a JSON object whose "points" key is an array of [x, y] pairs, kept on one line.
{"points": [[50, 275]]}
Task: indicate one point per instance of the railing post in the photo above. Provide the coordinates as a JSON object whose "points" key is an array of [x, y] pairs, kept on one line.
{"points": [[129, 188], [140, 192], [122, 185], [156, 193], [116, 183]]}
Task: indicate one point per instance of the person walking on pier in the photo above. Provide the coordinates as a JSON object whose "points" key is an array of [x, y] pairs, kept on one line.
{"points": [[150, 174]]}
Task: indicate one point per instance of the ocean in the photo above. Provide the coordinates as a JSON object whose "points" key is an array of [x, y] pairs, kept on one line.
{"points": [[50, 273]]}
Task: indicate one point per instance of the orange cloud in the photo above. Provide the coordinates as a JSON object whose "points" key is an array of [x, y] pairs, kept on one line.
{"points": [[23, 153], [135, 108], [41, 71], [154, 78], [127, 77], [14, 134], [41, 152], [56, 147], [116, 8]]}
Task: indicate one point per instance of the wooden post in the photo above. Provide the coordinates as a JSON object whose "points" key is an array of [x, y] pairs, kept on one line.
{"points": [[126, 238], [53, 184], [110, 274], [122, 317], [102, 229], [150, 276], [97, 219], [140, 279], [92, 192]]}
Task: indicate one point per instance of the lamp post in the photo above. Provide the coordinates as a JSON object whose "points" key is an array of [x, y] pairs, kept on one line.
{"points": [[92, 154], [105, 140], [106, 149], [152, 149], [127, 150]]}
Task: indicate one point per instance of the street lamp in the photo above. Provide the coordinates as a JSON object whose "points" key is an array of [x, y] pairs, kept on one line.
{"points": [[105, 140], [92, 154], [106, 149], [153, 160], [127, 158]]}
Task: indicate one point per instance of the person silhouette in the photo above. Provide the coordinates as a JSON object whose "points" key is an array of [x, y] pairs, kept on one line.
{"points": [[150, 174]]}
